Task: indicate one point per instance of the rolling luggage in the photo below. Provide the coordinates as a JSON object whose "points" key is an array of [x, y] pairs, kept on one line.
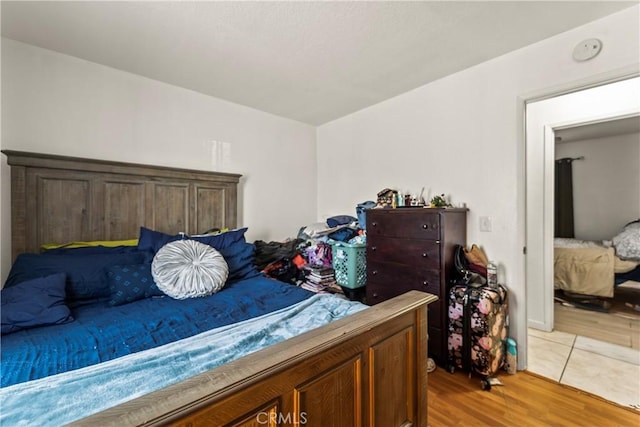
{"points": [[478, 321]]}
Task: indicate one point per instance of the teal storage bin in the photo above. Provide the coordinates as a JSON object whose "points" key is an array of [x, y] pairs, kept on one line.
{"points": [[349, 263]]}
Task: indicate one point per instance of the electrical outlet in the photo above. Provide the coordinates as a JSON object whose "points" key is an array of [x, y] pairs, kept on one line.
{"points": [[485, 223]]}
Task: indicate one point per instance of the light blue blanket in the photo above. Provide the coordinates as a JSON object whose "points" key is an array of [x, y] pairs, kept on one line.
{"points": [[69, 396]]}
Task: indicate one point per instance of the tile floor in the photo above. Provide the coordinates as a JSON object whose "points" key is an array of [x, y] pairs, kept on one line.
{"points": [[606, 370]]}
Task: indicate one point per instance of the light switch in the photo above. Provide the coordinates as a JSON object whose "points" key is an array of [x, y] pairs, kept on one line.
{"points": [[485, 223]]}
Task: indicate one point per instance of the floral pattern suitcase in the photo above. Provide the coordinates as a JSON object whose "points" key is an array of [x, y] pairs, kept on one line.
{"points": [[478, 321]]}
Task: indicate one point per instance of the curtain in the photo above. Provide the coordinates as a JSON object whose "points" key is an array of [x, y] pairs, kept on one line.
{"points": [[564, 198]]}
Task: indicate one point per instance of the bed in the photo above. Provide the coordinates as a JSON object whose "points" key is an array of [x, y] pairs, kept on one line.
{"points": [[285, 357], [596, 268]]}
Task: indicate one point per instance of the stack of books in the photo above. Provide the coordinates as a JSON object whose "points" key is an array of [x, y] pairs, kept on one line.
{"points": [[320, 279]]}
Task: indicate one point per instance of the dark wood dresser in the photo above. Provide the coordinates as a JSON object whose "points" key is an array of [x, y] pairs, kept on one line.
{"points": [[412, 248]]}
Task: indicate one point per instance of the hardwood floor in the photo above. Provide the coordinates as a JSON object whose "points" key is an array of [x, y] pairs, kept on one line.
{"points": [[525, 400], [621, 328]]}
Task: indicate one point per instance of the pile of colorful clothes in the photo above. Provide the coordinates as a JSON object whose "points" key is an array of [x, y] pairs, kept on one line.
{"points": [[299, 260]]}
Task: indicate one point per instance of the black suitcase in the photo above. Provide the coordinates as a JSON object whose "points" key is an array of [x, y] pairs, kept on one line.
{"points": [[478, 321]]}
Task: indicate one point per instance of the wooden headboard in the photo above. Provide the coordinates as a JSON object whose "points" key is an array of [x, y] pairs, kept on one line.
{"points": [[60, 199]]}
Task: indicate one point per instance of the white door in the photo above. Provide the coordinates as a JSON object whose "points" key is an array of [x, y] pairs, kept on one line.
{"points": [[603, 103]]}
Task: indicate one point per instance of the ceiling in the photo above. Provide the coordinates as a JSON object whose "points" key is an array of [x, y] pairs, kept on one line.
{"points": [[308, 61], [604, 129]]}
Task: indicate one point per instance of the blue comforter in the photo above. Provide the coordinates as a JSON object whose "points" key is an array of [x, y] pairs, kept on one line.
{"points": [[73, 395], [101, 332]]}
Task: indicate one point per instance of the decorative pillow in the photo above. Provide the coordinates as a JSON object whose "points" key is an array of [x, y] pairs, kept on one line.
{"points": [[240, 258], [36, 302], [86, 277], [627, 243], [154, 240], [129, 283], [189, 269]]}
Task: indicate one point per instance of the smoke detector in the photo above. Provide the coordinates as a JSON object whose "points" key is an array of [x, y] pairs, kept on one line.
{"points": [[587, 49]]}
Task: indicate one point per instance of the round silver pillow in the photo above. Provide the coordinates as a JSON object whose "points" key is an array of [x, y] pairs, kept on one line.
{"points": [[188, 269]]}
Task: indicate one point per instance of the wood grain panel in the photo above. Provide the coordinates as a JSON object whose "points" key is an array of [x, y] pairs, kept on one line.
{"points": [[210, 208], [393, 375], [23, 233], [333, 397], [525, 400], [264, 416], [168, 207], [68, 221], [124, 207], [110, 204]]}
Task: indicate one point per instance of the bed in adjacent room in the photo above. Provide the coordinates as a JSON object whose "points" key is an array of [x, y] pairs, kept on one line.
{"points": [[147, 322], [596, 268]]}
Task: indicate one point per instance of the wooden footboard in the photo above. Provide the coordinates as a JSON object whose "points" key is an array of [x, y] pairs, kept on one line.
{"points": [[369, 369]]}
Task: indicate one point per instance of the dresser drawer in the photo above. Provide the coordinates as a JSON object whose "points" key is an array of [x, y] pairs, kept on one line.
{"points": [[417, 253], [404, 224], [409, 277]]}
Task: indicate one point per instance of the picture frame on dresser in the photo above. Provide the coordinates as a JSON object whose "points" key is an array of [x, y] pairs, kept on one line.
{"points": [[413, 249]]}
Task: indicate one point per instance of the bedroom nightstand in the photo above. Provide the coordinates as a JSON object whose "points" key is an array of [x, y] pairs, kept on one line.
{"points": [[413, 248]]}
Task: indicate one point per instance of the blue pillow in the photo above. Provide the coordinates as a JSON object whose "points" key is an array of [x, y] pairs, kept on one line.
{"points": [[86, 276], [154, 240], [36, 302], [337, 220], [240, 258], [129, 283]]}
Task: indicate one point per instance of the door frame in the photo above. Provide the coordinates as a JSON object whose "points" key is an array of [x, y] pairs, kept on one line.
{"points": [[607, 101]]}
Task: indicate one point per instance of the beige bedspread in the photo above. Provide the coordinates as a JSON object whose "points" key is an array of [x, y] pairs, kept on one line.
{"points": [[588, 271]]}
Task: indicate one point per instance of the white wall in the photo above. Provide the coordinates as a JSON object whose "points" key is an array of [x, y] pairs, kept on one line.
{"points": [[53, 103], [463, 135], [606, 184]]}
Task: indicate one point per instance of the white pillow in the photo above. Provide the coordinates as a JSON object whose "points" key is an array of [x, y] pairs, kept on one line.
{"points": [[627, 243], [189, 269]]}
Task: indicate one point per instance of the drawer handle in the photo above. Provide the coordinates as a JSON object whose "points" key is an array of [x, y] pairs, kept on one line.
{"points": [[425, 283], [374, 248], [425, 226], [374, 224], [375, 295], [424, 255], [374, 272]]}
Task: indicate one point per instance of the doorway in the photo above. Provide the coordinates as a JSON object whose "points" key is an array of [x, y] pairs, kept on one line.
{"points": [[544, 121], [601, 163], [543, 118]]}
